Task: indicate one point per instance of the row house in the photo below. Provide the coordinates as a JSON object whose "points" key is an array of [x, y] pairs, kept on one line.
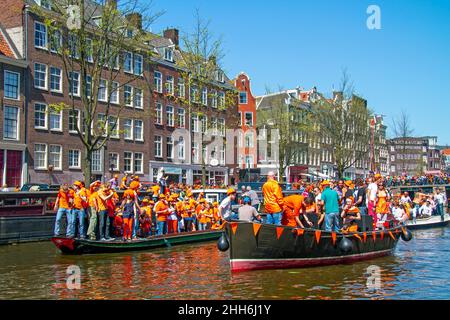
{"points": [[13, 112], [149, 95]]}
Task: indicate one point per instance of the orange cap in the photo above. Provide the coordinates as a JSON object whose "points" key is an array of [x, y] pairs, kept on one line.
{"points": [[231, 191]]}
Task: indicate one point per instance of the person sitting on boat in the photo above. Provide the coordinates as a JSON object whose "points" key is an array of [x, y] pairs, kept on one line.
{"points": [[162, 211], [246, 212], [350, 214], [273, 199], [147, 208], [294, 206], [426, 211], [399, 213], [225, 211]]}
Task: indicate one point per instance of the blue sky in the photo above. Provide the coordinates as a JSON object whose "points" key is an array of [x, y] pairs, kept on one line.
{"points": [[287, 43]]}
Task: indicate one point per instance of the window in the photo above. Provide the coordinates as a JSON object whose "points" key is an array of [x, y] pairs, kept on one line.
{"points": [[138, 63], [114, 97], [89, 50], [44, 4], [205, 96], [138, 98], [169, 148], [113, 127], [170, 116], [181, 148], [74, 159], [181, 88], [127, 95], [74, 83], [214, 126], [159, 114], [222, 155], [127, 161], [102, 125], [138, 162], [128, 62], [40, 35], [128, 129], [181, 118], [195, 152], [214, 99], [74, 120], [220, 76], [242, 97], [88, 84], [169, 85], [168, 54], [114, 161], [248, 139], [10, 123], [55, 156], [158, 82], [249, 119], [40, 76], [194, 94], [40, 156], [96, 162], [222, 127], [158, 146], [204, 123], [222, 99], [55, 41], [138, 130], [40, 116], [73, 45], [56, 120], [55, 79], [11, 85], [194, 122], [103, 90]]}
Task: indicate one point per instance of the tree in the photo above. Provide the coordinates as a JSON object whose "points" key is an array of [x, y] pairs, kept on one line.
{"points": [[290, 119], [402, 128], [93, 40], [343, 120], [201, 71]]}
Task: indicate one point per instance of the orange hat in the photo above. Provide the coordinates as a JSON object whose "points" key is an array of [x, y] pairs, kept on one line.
{"points": [[189, 194], [162, 196], [378, 176], [231, 191], [151, 202], [136, 178], [145, 200], [78, 183], [348, 183], [325, 183], [202, 201], [215, 203], [128, 192]]}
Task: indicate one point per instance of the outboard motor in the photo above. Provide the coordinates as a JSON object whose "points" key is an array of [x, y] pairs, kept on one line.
{"points": [[345, 245], [406, 235], [223, 244]]}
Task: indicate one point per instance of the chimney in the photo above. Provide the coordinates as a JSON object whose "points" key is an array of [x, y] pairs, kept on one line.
{"points": [[135, 20], [173, 35]]}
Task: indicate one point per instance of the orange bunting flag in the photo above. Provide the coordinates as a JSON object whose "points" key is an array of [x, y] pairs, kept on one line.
{"points": [[374, 235], [333, 237], [318, 234], [357, 236], [382, 235], [279, 232], [300, 232], [392, 235], [234, 226], [256, 227], [365, 236]]}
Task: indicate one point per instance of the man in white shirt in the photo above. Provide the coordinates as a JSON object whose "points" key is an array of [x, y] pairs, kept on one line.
{"points": [[426, 210], [439, 198], [225, 211], [372, 190]]}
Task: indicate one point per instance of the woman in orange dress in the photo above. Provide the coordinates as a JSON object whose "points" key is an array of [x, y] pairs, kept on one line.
{"points": [[382, 207]]}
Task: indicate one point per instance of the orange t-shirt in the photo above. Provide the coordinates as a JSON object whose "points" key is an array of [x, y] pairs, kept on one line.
{"points": [[273, 197], [160, 206], [93, 198], [155, 190], [64, 198], [293, 204], [135, 185], [102, 204], [78, 202]]}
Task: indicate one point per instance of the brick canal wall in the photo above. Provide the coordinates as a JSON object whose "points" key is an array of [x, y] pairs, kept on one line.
{"points": [[25, 229]]}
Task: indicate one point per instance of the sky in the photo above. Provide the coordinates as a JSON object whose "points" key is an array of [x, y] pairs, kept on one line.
{"points": [[405, 65]]}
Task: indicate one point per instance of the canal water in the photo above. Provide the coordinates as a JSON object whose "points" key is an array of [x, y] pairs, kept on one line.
{"points": [[419, 269]]}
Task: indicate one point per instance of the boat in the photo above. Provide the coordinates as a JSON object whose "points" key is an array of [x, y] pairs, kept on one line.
{"points": [[255, 246], [428, 223], [79, 246]]}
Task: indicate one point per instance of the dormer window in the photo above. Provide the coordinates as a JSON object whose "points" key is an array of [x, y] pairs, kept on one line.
{"points": [[168, 54], [130, 33], [45, 4], [220, 76]]}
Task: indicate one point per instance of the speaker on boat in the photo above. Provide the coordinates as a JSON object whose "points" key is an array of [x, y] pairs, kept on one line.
{"points": [[223, 244], [345, 245], [406, 235]]}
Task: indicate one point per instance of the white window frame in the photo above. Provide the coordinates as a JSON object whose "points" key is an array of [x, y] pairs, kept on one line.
{"points": [[157, 81], [45, 87], [102, 92], [45, 167], [17, 138], [45, 32], [138, 62], [60, 80], [245, 95], [128, 54], [170, 84], [60, 155], [181, 118], [131, 136], [125, 159], [117, 164], [245, 119], [141, 138], [115, 92], [130, 104], [159, 114], [205, 96], [141, 171], [69, 158], [45, 116], [53, 113], [71, 77], [169, 141], [181, 148], [158, 140], [181, 88], [78, 112], [138, 92], [18, 85], [170, 116], [114, 134], [168, 54]]}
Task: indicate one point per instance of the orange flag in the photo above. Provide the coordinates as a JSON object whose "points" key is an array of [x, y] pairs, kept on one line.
{"points": [[234, 226], [279, 232], [365, 236], [256, 227], [357, 236], [374, 235], [382, 235], [300, 232], [318, 234], [333, 237], [392, 235]]}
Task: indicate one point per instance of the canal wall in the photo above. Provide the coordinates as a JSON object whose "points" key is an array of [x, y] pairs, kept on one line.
{"points": [[26, 229]]}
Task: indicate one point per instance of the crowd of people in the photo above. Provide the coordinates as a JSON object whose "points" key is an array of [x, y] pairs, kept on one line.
{"points": [[98, 213]]}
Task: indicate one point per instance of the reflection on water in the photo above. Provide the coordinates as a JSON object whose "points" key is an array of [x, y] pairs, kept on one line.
{"points": [[418, 270]]}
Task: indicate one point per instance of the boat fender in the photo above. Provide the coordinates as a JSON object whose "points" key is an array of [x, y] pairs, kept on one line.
{"points": [[345, 245], [223, 244], [406, 235]]}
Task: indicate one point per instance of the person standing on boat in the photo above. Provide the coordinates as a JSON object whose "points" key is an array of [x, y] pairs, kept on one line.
{"points": [[360, 197], [104, 194], [63, 205], [93, 209], [80, 198], [294, 205], [115, 182], [439, 199], [128, 208], [273, 199], [372, 190], [162, 181], [225, 211], [254, 197], [330, 201], [162, 211]]}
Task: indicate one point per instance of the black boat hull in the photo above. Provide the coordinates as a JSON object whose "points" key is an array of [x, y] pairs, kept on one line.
{"points": [[272, 247]]}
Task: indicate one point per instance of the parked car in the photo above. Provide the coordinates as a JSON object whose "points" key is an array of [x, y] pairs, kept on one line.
{"points": [[39, 187]]}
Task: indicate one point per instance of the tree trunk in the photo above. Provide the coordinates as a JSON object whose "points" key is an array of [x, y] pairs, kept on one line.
{"points": [[340, 172], [87, 168]]}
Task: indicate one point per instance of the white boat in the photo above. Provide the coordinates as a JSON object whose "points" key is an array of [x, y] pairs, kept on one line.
{"points": [[431, 222]]}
